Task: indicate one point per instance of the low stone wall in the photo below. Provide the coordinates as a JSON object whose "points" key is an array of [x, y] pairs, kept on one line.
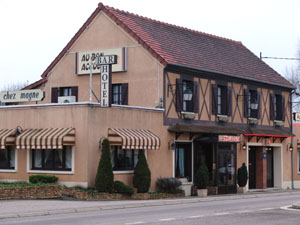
{"points": [[85, 195], [34, 192], [57, 191]]}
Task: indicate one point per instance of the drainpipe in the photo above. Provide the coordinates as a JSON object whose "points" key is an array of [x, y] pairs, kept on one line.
{"points": [[292, 139]]}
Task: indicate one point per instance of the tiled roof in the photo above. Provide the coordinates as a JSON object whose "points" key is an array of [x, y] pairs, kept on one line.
{"points": [[171, 44]]}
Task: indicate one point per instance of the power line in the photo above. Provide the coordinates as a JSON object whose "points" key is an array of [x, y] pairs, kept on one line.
{"points": [[265, 57]]}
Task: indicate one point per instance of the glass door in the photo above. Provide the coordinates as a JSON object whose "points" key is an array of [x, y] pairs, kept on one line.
{"points": [[226, 168]]}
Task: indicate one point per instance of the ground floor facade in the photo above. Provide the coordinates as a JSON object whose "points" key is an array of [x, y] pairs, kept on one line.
{"points": [[65, 140]]}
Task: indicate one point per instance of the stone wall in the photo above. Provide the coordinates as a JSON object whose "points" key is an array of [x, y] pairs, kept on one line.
{"points": [[34, 192]]}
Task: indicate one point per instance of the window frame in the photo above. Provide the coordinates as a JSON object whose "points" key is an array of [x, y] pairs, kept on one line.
{"points": [[187, 105], [222, 100], [116, 168], [118, 94], [252, 113], [8, 167], [53, 151]]}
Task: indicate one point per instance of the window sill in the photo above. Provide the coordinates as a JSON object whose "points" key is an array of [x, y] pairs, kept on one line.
{"points": [[51, 172], [124, 172], [8, 171]]}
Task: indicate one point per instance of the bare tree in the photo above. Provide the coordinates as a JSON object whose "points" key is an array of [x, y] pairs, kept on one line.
{"points": [[293, 76], [14, 86]]}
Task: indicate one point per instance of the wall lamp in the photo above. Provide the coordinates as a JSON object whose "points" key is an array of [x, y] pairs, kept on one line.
{"points": [[290, 147], [244, 147]]}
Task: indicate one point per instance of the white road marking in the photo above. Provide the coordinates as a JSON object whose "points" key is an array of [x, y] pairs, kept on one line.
{"points": [[263, 209], [192, 217], [244, 211], [138, 222], [167, 219], [288, 207], [221, 214]]}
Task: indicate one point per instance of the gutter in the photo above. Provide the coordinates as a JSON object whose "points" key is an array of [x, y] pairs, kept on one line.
{"points": [[228, 75]]}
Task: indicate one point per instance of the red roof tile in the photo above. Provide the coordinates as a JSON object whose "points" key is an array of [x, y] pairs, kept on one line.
{"points": [[172, 44]]}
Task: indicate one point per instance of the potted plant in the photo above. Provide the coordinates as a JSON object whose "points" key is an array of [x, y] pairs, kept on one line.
{"points": [[242, 177], [201, 180]]}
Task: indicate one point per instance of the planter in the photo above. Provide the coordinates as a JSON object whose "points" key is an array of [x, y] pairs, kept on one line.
{"points": [[242, 190], [202, 192]]}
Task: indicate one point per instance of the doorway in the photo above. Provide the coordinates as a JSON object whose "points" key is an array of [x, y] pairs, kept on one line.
{"points": [[270, 167], [252, 167]]}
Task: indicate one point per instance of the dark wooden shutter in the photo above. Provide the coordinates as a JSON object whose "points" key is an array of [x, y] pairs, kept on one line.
{"points": [[195, 97], [179, 95], [272, 107], [229, 101], [214, 99], [259, 106], [124, 88], [74, 92], [283, 108], [246, 105], [54, 95]]}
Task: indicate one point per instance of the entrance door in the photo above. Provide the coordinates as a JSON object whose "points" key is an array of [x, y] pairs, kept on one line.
{"points": [[226, 168], [183, 161], [252, 168], [270, 166]]}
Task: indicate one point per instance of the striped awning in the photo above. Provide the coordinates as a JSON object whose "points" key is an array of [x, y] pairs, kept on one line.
{"points": [[46, 138], [133, 139], [7, 137]]}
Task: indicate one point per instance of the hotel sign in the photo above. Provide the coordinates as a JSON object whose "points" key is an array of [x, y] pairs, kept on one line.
{"points": [[297, 116], [22, 96], [82, 60], [105, 62], [229, 138]]}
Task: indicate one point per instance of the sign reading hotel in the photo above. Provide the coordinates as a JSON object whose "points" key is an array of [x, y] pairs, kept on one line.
{"points": [[229, 138], [105, 62], [297, 116], [83, 60], [22, 96]]}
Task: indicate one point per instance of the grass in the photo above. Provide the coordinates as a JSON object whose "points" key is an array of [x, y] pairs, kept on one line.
{"points": [[20, 184]]}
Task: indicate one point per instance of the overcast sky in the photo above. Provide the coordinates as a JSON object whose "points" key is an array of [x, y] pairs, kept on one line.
{"points": [[33, 32]]}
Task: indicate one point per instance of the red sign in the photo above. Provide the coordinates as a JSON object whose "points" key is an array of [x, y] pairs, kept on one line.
{"points": [[229, 138]]}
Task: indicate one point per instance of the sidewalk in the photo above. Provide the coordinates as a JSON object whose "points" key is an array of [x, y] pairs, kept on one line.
{"points": [[28, 208]]}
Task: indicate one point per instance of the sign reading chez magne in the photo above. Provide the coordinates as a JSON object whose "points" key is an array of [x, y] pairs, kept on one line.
{"points": [[229, 138], [22, 96], [83, 60]]}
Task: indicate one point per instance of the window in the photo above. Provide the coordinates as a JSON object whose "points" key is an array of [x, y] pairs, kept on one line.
{"points": [[183, 161], [221, 100], [187, 97], [252, 104], [298, 161], [7, 158], [63, 91], [123, 159], [52, 159], [277, 103], [120, 94]]}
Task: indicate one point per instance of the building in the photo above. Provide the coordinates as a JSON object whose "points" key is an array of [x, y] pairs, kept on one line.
{"points": [[183, 96]]}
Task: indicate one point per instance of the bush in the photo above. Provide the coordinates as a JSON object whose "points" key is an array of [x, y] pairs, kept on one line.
{"points": [[120, 187], [105, 177], [168, 185], [242, 176], [142, 174], [202, 177], [44, 179]]}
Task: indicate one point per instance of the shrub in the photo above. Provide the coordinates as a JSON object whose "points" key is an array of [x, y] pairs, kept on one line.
{"points": [[142, 174], [105, 177], [120, 187], [45, 179], [242, 175], [168, 185], [202, 177]]}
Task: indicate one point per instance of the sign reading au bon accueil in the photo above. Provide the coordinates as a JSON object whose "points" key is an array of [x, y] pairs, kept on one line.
{"points": [[105, 62], [22, 96], [83, 60]]}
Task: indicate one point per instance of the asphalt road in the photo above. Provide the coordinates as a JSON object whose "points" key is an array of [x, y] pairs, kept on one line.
{"points": [[263, 210]]}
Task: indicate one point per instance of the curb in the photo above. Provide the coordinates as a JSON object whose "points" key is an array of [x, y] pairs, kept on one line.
{"points": [[148, 204]]}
